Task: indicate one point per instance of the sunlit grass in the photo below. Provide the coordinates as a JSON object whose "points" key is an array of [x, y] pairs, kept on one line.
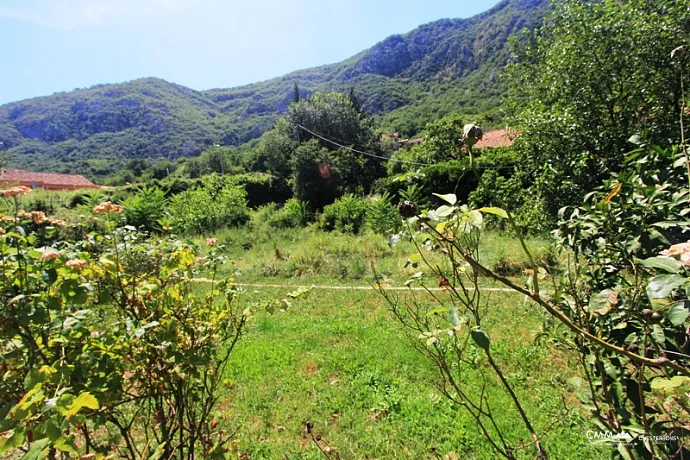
{"points": [[313, 256], [339, 360]]}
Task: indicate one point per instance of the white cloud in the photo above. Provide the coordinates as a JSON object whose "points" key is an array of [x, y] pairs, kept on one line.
{"points": [[74, 14]]}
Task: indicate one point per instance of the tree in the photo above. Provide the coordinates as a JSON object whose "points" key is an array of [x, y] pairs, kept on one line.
{"points": [[295, 93], [193, 167], [137, 166], [594, 75], [315, 177], [328, 122], [442, 142], [215, 159], [4, 159], [354, 101], [162, 169]]}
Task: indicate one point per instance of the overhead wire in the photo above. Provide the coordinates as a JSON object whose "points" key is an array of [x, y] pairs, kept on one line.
{"points": [[380, 157], [373, 155]]}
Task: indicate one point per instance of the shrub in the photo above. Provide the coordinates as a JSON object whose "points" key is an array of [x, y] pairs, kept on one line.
{"points": [[174, 185], [146, 208], [107, 344], [515, 193], [316, 180], [621, 306], [293, 215], [78, 199], [454, 175], [346, 214], [382, 217], [111, 367], [208, 208]]}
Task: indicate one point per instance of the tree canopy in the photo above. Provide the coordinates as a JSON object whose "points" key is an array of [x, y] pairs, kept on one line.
{"points": [[596, 74]]}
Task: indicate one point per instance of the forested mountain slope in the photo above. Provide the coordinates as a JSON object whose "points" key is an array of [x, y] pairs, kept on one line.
{"points": [[405, 80]]}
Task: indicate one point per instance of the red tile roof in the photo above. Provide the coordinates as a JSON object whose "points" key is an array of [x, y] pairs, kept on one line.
{"points": [[497, 138], [49, 181]]}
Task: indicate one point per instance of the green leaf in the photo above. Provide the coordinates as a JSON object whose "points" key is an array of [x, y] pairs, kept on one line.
{"points": [[449, 198], [10, 439], [661, 286], [445, 211], [66, 445], [497, 211], [664, 263], [85, 399], [36, 376], [636, 139], [476, 218], [39, 450], [481, 338], [601, 303], [658, 335], [52, 430], [437, 311], [160, 450], [678, 313], [664, 384], [142, 330]]}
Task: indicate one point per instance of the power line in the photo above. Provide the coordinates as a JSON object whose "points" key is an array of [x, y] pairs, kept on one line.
{"points": [[373, 155], [359, 151]]}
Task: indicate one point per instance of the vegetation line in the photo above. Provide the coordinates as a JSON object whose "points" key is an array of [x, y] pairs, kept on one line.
{"points": [[347, 288]]}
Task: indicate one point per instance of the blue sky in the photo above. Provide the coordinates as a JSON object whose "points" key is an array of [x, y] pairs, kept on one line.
{"points": [[60, 45]]}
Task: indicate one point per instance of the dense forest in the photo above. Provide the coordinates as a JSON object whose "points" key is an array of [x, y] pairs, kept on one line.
{"points": [[405, 81]]}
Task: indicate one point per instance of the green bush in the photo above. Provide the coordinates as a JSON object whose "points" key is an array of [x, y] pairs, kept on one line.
{"points": [[347, 214], [515, 193], [208, 208], [146, 208], [294, 214], [454, 175], [382, 216], [316, 179], [78, 199], [174, 185], [107, 342]]}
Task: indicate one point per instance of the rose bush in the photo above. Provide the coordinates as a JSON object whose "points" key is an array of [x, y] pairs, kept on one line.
{"points": [[107, 345]]}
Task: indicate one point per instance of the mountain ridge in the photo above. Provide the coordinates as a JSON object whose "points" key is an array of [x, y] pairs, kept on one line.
{"points": [[405, 80]]}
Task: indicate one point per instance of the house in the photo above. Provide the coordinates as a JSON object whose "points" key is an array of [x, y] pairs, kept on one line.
{"points": [[48, 181], [391, 138], [496, 138]]}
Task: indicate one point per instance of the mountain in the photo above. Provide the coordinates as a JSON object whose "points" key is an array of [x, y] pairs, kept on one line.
{"points": [[405, 81]]}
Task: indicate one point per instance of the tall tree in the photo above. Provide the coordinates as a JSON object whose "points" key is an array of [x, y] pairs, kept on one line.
{"points": [[295, 93], [354, 101], [328, 122], [594, 75]]}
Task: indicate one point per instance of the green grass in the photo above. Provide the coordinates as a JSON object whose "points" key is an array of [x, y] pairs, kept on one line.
{"points": [[339, 360], [311, 256]]}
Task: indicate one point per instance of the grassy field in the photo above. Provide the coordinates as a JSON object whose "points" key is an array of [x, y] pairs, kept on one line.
{"points": [[340, 360], [310, 256]]}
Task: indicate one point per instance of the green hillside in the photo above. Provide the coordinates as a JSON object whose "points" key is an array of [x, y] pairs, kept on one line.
{"points": [[405, 81]]}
